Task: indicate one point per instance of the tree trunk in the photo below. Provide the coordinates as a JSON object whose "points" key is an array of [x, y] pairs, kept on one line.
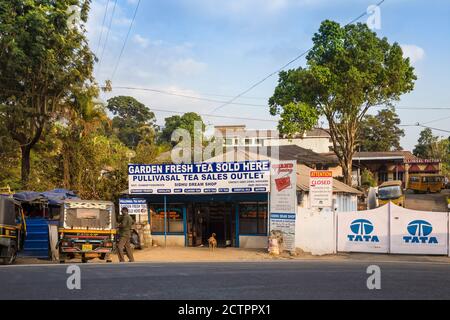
{"points": [[348, 172], [25, 165]]}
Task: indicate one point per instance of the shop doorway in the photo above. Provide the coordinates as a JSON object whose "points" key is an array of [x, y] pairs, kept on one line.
{"points": [[213, 217]]}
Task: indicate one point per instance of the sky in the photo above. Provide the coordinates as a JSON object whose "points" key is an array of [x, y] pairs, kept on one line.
{"points": [[213, 50]]}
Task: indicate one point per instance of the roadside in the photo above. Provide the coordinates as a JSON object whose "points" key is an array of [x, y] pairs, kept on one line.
{"points": [[427, 201], [202, 254]]}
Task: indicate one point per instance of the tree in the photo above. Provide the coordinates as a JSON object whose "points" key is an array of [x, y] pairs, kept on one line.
{"points": [[424, 144], [44, 60], [349, 69], [133, 121], [186, 121], [381, 132]]}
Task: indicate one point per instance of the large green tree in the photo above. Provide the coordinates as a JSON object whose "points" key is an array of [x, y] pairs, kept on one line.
{"points": [[186, 121], [424, 145], [133, 121], [44, 61], [381, 132], [348, 70]]}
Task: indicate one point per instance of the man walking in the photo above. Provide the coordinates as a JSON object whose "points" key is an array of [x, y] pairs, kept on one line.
{"points": [[125, 223]]}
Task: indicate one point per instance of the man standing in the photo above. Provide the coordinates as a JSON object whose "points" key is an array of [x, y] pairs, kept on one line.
{"points": [[125, 223]]}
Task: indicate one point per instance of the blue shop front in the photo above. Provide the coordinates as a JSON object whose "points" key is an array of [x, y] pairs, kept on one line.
{"points": [[187, 203]]}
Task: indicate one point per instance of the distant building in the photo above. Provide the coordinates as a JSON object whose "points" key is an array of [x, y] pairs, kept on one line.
{"points": [[389, 165], [317, 140]]}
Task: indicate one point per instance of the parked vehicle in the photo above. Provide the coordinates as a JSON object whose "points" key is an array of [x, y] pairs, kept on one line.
{"points": [[391, 191], [12, 229], [426, 183], [87, 230]]}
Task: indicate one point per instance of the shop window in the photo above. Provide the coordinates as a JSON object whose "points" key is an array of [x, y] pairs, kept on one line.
{"points": [[253, 218], [175, 223]]}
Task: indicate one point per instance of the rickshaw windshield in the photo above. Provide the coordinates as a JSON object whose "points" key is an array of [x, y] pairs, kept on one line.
{"points": [[92, 218], [7, 212], [392, 192]]}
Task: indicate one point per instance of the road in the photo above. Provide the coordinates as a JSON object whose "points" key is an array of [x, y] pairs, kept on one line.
{"points": [[427, 201], [308, 279]]}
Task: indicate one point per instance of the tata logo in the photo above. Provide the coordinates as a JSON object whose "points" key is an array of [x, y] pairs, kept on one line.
{"points": [[362, 230], [419, 231]]}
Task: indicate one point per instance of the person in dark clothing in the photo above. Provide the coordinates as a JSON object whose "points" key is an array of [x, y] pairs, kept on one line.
{"points": [[125, 224]]}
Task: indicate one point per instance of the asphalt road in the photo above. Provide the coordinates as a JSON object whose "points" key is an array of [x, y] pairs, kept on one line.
{"points": [[427, 201], [232, 280]]}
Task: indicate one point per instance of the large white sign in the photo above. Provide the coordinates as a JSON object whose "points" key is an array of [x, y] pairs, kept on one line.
{"points": [[418, 232], [134, 206], [363, 231], [199, 178], [283, 201], [321, 188]]}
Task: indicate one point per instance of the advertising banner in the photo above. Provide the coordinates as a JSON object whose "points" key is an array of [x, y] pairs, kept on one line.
{"points": [[418, 232], [135, 206], [283, 201], [199, 178], [364, 231], [321, 188]]}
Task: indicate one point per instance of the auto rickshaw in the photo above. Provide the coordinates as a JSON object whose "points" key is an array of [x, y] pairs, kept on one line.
{"points": [[87, 230], [12, 229], [391, 191]]}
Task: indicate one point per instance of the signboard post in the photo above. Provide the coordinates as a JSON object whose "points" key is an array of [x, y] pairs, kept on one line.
{"points": [[200, 178], [283, 201], [321, 188]]}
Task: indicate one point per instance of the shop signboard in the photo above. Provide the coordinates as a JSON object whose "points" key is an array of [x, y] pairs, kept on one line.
{"points": [[200, 178], [283, 201], [135, 206], [321, 188]]}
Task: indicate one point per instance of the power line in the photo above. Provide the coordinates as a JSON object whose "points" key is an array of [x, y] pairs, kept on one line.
{"points": [[215, 116], [107, 35], [126, 39], [101, 30], [171, 93], [436, 120], [283, 67]]}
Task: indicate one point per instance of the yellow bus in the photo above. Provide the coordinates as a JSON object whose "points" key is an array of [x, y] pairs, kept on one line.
{"points": [[426, 183], [391, 191]]}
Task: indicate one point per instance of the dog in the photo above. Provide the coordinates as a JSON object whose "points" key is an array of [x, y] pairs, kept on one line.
{"points": [[212, 242]]}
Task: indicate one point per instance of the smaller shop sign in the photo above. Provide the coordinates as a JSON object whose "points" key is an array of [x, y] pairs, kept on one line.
{"points": [[135, 206], [321, 188]]}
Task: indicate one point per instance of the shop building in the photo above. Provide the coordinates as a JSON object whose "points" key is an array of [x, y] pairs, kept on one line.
{"points": [[239, 219]]}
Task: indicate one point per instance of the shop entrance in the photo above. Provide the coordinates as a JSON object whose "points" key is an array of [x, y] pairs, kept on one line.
{"points": [[212, 217]]}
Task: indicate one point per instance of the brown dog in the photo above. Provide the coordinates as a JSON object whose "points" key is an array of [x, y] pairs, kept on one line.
{"points": [[212, 242]]}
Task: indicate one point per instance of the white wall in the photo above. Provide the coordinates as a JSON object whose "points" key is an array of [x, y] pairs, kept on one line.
{"points": [[315, 232], [255, 242]]}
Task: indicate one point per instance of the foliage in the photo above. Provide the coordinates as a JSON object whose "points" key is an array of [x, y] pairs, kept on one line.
{"points": [[187, 122], [381, 132], [367, 179], [423, 146], [349, 69], [44, 62], [133, 121]]}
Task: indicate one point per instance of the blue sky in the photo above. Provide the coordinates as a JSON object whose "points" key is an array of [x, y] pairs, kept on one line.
{"points": [[205, 48]]}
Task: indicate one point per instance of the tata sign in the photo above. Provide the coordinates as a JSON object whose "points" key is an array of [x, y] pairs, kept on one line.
{"points": [[420, 232], [199, 178], [362, 231]]}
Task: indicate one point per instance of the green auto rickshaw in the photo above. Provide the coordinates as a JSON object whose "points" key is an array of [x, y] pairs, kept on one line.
{"points": [[12, 229]]}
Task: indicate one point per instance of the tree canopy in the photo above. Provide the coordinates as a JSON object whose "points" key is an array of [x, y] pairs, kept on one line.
{"points": [[45, 66], [133, 121], [186, 122], [348, 70], [381, 132]]}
